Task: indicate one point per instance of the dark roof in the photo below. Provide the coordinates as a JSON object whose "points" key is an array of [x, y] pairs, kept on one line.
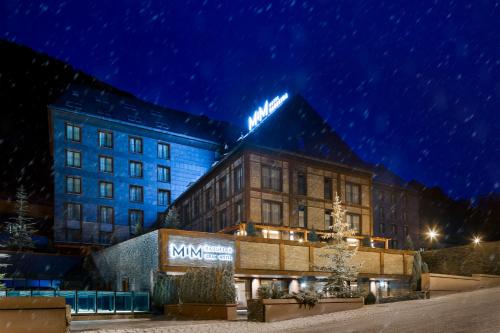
{"points": [[296, 127], [127, 108], [381, 174]]}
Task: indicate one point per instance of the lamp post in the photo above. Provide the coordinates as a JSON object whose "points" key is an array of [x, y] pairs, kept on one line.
{"points": [[476, 240], [432, 235]]}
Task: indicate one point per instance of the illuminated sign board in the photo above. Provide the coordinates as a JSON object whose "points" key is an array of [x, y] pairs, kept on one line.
{"points": [[201, 252], [197, 251], [264, 111]]}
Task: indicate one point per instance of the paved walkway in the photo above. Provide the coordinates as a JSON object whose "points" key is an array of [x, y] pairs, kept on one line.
{"points": [[477, 311]]}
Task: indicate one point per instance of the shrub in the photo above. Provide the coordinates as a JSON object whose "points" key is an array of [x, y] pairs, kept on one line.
{"points": [[250, 229], [370, 298], [165, 290], [312, 236], [273, 291], [208, 285], [306, 297]]}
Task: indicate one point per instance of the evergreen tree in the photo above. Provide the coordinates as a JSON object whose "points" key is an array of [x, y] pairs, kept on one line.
{"points": [[172, 220], [2, 265], [250, 228], [20, 229], [339, 253], [312, 236]]}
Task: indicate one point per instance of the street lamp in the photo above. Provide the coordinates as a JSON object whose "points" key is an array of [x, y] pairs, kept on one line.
{"points": [[432, 234], [476, 240]]}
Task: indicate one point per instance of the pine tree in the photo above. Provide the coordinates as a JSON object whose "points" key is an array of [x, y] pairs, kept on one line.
{"points": [[312, 236], [2, 265], [172, 219], [250, 229], [339, 253], [21, 229]]}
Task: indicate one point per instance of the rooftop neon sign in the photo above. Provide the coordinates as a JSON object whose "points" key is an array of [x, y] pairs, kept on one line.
{"points": [[264, 111]]}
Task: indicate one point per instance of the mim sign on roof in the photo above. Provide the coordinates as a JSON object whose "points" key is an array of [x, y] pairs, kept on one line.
{"points": [[264, 111]]}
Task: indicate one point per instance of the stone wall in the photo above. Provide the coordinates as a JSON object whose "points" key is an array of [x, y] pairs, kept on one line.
{"points": [[465, 260], [135, 260]]}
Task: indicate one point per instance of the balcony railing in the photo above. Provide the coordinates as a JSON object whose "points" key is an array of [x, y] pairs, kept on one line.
{"points": [[91, 302]]}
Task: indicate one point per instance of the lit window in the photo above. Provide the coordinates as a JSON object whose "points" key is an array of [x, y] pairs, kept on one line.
{"points": [[272, 178], [73, 133], [272, 212], [135, 169], [354, 222], [106, 190], [163, 174], [136, 193], [352, 192], [105, 164], [73, 185], [73, 158], [105, 139], [163, 151], [73, 212], [135, 145], [163, 198], [135, 217], [106, 215]]}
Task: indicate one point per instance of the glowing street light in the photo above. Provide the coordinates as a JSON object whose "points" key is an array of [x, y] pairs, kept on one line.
{"points": [[432, 234], [476, 240]]}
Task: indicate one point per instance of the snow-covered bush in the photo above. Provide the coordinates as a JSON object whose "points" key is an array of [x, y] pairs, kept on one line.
{"points": [[306, 297], [250, 229], [209, 285], [312, 236], [273, 291]]}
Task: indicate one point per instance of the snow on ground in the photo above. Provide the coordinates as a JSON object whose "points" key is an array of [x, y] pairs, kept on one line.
{"points": [[476, 311]]}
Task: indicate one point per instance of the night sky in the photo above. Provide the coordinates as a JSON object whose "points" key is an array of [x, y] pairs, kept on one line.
{"points": [[414, 86]]}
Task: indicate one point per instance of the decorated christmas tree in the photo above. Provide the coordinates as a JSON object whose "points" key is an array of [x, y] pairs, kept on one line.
{"points": [[172, 219], [339, 253], [20, 229]]}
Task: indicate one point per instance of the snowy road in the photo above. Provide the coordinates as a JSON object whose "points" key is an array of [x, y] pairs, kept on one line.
{"points": [[477, 311]]}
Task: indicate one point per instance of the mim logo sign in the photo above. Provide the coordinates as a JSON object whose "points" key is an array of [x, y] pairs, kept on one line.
{"points": [[264, 111], [203, 252]]}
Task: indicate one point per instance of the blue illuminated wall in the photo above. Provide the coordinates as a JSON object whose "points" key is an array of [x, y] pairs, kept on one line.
{"points": [[189, 159]]}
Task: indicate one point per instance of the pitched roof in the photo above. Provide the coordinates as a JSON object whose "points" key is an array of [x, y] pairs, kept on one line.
{"points": [[129, 109], [296, 127]]}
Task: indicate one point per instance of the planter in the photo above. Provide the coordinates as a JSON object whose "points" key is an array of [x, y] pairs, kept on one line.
{"points": [[270, 310], [202, 311], [33, 314]]}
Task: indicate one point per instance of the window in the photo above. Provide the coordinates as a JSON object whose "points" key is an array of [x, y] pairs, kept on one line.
{"points": [[135, 217], [238, 179], [271, 178], [209, 200], [135, 169], [381, 213], [196, 205], [223, 219], [163, 151], [106, 190], [105, 164], [328, 219], [393, 213], [238, 212], [73, 133], [352, 192], [404, 216], [209, 224], [135, 145], [328, 188], [73, 212], [73, 185], [302, 216], [272, 212], [381, 228], [394, 228], [105, 139], [136, 193], [223, 188], [301, 183], [381, 196], [163, 198], [354, 222], [393, 198], [163, 174], [106, 215], [73, 158], [405, 230]]}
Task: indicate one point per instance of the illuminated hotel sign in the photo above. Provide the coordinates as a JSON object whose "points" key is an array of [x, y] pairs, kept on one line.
{"points": [[197, 251], [264, 111], [203, 252]]}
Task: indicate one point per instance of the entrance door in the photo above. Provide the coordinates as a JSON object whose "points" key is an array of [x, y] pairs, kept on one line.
{"points": [[241, 299]]}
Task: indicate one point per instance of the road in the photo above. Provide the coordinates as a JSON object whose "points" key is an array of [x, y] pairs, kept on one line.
{"points": [[476, 311]]}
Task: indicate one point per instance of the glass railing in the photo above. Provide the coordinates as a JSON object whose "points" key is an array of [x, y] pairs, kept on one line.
{"points": [[85, 302]]}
